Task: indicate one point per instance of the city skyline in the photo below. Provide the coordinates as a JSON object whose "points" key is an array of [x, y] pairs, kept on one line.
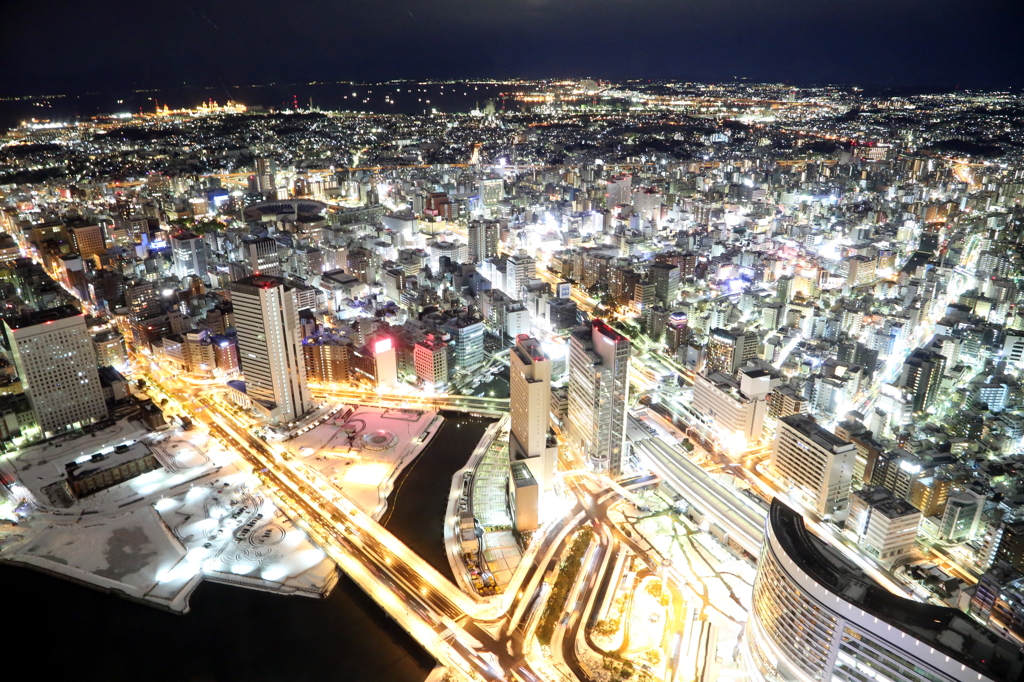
{"points": [[581, 379]]}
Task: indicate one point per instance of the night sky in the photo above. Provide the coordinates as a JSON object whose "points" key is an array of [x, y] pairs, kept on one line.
{"points": [[54, 46]]}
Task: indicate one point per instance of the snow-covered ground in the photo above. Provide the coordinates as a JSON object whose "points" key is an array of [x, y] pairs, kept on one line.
{"points": [[363, 455], [155, 537]]}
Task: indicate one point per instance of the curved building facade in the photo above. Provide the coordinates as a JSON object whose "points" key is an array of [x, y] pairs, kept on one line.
{"points": [[818, 617]]}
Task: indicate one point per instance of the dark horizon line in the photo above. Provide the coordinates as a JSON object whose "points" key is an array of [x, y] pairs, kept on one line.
{"points": [[134, 89]]}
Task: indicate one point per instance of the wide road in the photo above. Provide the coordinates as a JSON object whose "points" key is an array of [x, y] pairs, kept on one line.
{"points": [[720, 505]]}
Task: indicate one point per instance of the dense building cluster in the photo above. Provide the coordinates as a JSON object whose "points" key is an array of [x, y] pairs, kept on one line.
{"points": [[819, 284]]}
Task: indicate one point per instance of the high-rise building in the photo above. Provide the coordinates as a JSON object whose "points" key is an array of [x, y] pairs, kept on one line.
{"points": [[817, 463], [270, 346], [430, 360], [520, 270], [677, 330], [921, 376], [261, 256], [619, 191], [88, 240], [817, 616], [727, 351], [598, 392], [530, 407], [666, 283], [467, 332], [56, 362], [492, 191], [189, 255], [327, 357], [483, 239]]}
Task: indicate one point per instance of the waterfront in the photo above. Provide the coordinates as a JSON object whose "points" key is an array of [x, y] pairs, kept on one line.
{"points": [[232, 633], [416, 508], [402, 97]]}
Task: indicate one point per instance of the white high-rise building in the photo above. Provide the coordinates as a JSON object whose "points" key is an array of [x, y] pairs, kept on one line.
{"points": [[270, 347], [520, 270], [56, 362], [598, 392], [817, 463], [530, 403], [189, 255]]}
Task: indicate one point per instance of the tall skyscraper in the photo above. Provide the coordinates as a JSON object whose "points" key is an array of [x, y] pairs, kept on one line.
{"points": [[817, 463], [189, 255], [530, 403], [270, 346], [598, 392], [817, 616], [261, 256], [56, 361]]}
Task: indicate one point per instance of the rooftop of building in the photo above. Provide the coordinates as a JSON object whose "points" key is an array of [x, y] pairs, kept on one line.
{"points": [[948, 630], [810, 428], [261, 281], [37, 317]]}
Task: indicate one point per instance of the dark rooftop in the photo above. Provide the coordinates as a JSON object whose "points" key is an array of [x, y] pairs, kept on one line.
{"points": [[948, 630]]}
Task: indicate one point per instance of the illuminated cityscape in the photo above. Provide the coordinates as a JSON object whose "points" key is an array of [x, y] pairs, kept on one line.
{"points": [[581, 380]]}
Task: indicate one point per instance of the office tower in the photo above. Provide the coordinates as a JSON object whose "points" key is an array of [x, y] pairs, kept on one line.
{"points": [[88, 240], [483, 239], [430, 360], [520, 270], [884, 525], [921, 377], [189, 255], [530, 405], [492, 191], [817, 463], [261, 256], [598, 392], [727, 351], [666, 283], [269, 345], [55, 359], [817, 616]]}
